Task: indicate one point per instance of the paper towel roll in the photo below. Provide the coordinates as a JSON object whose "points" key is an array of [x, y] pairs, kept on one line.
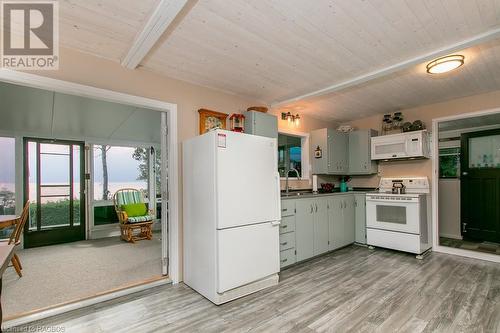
{"points": [[315, 183]]}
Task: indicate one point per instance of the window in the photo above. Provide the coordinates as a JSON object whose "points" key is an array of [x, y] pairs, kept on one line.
{"points": [[449, 162], [7, 176], [290, 155], [119, 167]]}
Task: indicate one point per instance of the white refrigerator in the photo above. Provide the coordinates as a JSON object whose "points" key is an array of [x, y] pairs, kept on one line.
{"points": [[231, 206]]}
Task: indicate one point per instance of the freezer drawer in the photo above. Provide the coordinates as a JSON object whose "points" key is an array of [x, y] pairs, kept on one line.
{"points": [[246, 254]]}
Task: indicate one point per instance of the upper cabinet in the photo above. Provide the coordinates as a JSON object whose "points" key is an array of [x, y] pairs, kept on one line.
{"points": [[338, 153], [259, 123], [329, 152], [360, 161]]}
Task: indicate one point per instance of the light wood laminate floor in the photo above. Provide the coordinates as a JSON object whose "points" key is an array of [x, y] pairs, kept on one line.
{"points": [[353, 289]]}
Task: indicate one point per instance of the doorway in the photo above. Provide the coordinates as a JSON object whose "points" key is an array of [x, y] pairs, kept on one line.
{"points": [[480, 185], [466, 195], [54, 182]]}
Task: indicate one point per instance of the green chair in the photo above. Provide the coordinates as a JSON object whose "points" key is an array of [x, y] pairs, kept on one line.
{"points": [[136, 220]]}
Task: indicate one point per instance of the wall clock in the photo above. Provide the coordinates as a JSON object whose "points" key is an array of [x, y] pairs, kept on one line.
{"points": [[210, 120]]}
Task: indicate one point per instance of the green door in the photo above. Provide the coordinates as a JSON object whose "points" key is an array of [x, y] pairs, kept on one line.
{"points": [[480, 185], [54, 185]]}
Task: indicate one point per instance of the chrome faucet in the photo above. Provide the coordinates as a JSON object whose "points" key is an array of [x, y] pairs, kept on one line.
{"points": [[287, 188]]}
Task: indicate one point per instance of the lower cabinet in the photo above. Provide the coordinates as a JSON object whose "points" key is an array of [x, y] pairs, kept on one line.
{"points": [[304, 235], [341, 221], [287, 233], [312, 226]]}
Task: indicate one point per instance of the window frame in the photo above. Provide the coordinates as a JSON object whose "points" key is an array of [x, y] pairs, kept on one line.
{"points": [[18, 173], [304, 145]]}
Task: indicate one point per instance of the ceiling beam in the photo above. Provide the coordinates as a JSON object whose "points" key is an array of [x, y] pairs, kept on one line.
{"points": [[464, 44], [163, 16]]}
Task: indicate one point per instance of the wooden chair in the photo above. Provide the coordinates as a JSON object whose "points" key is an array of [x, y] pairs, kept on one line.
{"points": [[16, 235], [133, 228]]}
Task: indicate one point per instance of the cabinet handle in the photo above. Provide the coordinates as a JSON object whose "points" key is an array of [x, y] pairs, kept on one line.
{"points": [[284, 226], [284, 209], [284, 243], [312, 209], [284, 260], [316, 207]]}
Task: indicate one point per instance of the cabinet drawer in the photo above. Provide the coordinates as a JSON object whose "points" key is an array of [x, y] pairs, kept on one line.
{"points": [[287, 241], [287, 224], [287, 208], [287, 258]]}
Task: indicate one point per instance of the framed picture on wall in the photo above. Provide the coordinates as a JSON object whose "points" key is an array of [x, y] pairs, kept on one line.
{"points": [[210, 120]]}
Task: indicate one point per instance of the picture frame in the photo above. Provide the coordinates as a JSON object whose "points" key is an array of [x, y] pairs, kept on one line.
{"points": [[210, 120]]}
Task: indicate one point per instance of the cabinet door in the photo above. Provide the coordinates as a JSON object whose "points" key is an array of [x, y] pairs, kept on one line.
{"points": [[320, 164], [348, 219], [335, 222], [360, 217], [337, 151], [263, 124], [304, 229], [320, 226], [356, 152]]}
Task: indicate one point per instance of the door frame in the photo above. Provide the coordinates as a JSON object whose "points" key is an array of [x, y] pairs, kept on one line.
{"points": [[83, 210], [170, 244], [435, 188]]}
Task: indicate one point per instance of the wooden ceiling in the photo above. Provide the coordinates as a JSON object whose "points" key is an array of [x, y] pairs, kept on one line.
{"points": [[280, 51]]}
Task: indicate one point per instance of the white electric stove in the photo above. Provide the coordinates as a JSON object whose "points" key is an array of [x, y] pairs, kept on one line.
{"points": [[399, 221]]}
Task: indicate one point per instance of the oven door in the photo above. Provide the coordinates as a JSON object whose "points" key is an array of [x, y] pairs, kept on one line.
{"points": [[394, 215]]}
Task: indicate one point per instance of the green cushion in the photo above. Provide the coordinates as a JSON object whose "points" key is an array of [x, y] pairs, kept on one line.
{"points": [[135, 209]]}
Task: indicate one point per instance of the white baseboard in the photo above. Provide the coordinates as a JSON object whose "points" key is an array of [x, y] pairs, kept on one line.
{"points": [[29, 318]]}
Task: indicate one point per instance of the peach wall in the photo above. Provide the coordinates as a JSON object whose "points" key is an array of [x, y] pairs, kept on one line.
{"points": [[102, 73], [425, 113]]}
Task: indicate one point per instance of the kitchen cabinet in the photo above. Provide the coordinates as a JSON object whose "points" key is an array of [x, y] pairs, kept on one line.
{"points": [[333, 146], [287, 233], [259, 123], [321, 238], [360, 161], [304, 228], [360, 218], [342, 153], [313, 226], [341, 221]]}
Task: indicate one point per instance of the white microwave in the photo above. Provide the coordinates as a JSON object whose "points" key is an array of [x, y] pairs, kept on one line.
{"points": [[407, 145]]}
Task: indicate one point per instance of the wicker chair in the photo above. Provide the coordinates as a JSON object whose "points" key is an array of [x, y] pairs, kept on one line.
{"points": [[133, 228]]}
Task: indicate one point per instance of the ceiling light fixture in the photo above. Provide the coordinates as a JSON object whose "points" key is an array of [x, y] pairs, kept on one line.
{"points": [[445, 64]]}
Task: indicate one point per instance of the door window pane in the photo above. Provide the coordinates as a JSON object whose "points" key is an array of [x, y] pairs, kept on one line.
{"points": [[289, 155], [7, 176], [484, 152], [391, 214]]}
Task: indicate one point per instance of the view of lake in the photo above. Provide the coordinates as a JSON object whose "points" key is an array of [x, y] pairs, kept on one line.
{"points": [[112, 187]]}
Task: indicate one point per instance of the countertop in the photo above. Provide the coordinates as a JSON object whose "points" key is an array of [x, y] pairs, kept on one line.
{"points": [[318, 195]]}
